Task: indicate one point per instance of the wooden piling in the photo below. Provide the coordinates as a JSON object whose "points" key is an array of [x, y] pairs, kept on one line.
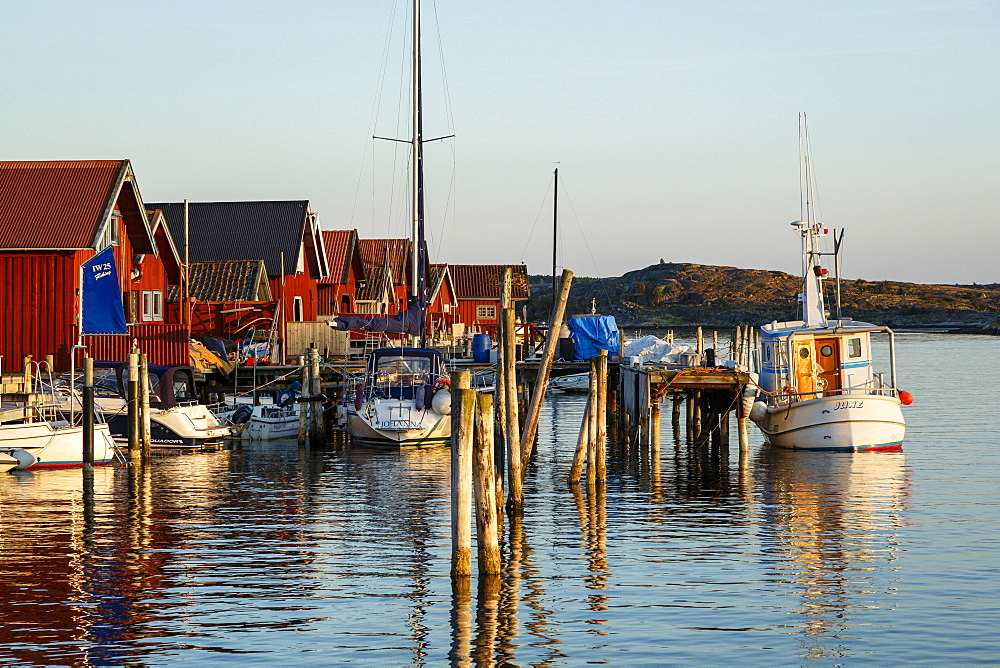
{"points": [[602, 416], [515, 478], [544, 367], [463, 418], [134, 442], [303, 407], [144, 423], [582, 441], [88, 412], [592, 424], [315, 389], [487, 528], [699, 341]]}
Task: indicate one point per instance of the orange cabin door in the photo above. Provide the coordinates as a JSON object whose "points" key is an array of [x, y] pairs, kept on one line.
{"points": [[805, 375], [828, 358]]}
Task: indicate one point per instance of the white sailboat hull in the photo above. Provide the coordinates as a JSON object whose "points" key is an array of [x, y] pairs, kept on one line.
{"points": [[51, 447], [397, 423], [850, 423]]}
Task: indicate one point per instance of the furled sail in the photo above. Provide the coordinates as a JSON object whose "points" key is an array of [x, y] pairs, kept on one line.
{"points": [[407, 322]]}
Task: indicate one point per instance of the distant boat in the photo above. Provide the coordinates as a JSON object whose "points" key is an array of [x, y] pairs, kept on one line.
{"points": [[263, 422], [819, 389]]}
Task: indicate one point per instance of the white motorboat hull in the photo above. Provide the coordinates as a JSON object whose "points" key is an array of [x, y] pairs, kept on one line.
{"points": [[849, 423], [266, 422], [390, 423], [40, 445]]}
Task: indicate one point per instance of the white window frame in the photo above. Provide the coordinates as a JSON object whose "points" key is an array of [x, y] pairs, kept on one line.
{"points": [[298, 312], [486, 312], [152, 306]]}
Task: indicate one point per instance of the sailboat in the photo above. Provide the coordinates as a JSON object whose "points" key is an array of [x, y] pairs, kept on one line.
{"points": [[820, 391], [404, 399]]}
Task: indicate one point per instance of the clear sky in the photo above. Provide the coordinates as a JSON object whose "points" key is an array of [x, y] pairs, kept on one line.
{"points": [[674, 124]]}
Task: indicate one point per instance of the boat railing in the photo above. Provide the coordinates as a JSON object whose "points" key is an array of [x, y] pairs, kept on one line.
{"points": [[786, 396]]}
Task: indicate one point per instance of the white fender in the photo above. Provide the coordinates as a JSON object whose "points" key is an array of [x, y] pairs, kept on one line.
{"points": [[24, 458], [441, 403], [759, 411]]}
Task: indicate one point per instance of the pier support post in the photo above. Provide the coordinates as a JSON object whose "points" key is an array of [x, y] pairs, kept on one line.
{"points": [[487, 526], [512, 430], [580, 456], [88, 413], [601, 401], [132, 397], [655, 427], [463, 415], [144, 423]]}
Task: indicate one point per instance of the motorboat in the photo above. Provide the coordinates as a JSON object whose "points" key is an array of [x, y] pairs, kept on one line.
{"points": [[262, 422], [177, 420], [405, 400], [819, 390]]}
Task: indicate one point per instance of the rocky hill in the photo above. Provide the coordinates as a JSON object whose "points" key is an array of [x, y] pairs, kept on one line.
{"points": [[678, 294]]}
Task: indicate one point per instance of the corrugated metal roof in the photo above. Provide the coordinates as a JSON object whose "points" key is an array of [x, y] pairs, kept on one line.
{"points": [[236, 280], [56, 204], [341, 245], [482, 281], [391, 253], [225, 231]]}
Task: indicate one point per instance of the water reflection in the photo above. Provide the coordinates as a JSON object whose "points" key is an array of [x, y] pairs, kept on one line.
{"points": [[830, 532]]}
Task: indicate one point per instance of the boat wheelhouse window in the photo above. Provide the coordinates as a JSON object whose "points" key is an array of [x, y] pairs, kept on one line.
{"points": [[154, 384], [854, 347], [804, 352], [105, 383], [183, 387], [403, 371], [826, 350]]}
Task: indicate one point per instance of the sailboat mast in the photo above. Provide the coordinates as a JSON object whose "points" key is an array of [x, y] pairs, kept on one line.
{"points": [[555, 233], [419, 252]]}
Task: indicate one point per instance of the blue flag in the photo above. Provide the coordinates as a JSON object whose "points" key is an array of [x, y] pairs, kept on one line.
{"points": [[103, 312]]}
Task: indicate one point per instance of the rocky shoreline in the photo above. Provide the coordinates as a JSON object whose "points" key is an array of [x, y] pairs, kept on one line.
{"points": [[669, 295]]}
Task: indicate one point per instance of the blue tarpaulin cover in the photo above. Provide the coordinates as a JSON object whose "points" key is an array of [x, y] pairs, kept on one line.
{"points": [[103, 311], [594, 333]]}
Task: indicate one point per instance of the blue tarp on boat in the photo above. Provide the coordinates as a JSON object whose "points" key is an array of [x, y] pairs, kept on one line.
{"points": [[592, 334]]}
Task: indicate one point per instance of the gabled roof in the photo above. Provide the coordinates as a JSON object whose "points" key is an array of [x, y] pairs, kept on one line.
{"points": [[341, 252], [235, 280], [224, 231], [66, 204], [393, 254], [439, 276], [165, 245], [482, 281], [377, 288]]}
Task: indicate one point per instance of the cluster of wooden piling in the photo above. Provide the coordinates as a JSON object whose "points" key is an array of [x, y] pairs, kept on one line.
{"points": [[487, 434]]}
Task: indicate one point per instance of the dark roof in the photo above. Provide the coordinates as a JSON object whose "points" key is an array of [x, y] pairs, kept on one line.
{"points": [[236, 280], [224, 231], [377, 287], [482, 281], [64, 204]]}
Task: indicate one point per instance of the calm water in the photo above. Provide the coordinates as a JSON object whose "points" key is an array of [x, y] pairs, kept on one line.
{"points": [[273, 554]]}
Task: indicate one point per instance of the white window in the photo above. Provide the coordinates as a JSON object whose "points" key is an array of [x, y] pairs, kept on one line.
{"points": [[486, 312], [152, 305], [854, 347], [109, 235], [297, 309], [447, 308]]}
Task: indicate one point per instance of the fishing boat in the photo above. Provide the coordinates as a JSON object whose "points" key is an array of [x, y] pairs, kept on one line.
{"points": [[37, 433], [819, 388], [404, 400], [176, 421]]}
